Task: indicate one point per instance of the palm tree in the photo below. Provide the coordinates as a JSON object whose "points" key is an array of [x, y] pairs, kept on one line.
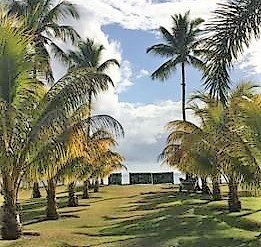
{"points": [[62, 153], [43, 19], [97, 161], [181, 47], [19, 96], [221, 146], [83, 163], [89, 55], [188, 149], [231, 29], [32, 119]]}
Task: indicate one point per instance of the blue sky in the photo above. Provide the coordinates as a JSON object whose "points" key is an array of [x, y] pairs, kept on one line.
{"points": [[126, 28], [134, 44]]}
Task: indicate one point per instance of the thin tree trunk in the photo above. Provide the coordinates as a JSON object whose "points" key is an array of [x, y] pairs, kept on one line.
{"points": [[234, 204], [183, 92], [36, 191], [85, 190], [72, 199], [216, 188], [91, 185], [89, 114], [205, 189], [51, 210], [96, 185], [11, 224], [183, 86]]}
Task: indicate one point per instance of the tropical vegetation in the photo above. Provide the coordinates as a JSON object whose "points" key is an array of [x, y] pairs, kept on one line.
{"points": [[50, 134], [181, 47], [221, 145], [42, 128]]}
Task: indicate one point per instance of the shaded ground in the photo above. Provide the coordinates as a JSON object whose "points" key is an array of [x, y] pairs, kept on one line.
{"points": [[141, 216]]}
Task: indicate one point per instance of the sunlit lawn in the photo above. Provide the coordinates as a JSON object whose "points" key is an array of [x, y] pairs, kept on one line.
{"points": [[149, 216]]}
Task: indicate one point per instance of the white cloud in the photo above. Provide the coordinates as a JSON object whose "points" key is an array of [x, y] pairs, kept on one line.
{"points": [[149, 15], [145, 14], [125, 77], [143, 73], [145, 132], [250, 61]]}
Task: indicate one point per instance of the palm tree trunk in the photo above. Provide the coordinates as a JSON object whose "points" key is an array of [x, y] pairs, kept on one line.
{"points": [[89, 113], [205, 188], [72, 199], [234, 204], [85, 190], [51, 210], [36, 191], [183, 92], [183, 89], [96, 185], [216, 188], [11, 225]]}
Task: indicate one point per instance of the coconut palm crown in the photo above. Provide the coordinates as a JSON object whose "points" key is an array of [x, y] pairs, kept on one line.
{"points": [[180, 47], [43, 18], [233, 26]]}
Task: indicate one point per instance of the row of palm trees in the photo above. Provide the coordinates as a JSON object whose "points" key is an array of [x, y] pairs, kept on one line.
{"points": [[47, 131], [227, 143]]}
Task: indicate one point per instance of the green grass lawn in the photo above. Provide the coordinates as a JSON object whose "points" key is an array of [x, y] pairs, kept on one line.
{"points": [[141, 216]]}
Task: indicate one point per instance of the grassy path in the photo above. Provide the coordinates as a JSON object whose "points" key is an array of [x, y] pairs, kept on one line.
{"points": [[141, 216]]}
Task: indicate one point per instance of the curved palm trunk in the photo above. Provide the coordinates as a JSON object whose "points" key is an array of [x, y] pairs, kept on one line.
{"points": [[11, 225], [234, 204], [85, 190], [72, 199], [216, 188], [36, 191], [183, 89], [51, 210], [96, 185]]}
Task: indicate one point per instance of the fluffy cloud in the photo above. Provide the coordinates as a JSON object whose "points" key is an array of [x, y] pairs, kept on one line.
{"points": [[150, 14], [250, 61], [142, 73], [145, 14], [125, 77], [145, 132]]}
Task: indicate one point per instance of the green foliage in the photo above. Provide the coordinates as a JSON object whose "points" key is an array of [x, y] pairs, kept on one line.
{"points": [[226, 143], [230, 31], [181, 47], [43, 20]]}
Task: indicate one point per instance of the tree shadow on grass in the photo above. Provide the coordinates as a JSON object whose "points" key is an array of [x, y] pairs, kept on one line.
{"points": [[34, 210], [188, 221]]}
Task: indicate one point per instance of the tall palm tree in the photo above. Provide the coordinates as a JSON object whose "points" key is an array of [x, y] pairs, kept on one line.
{"points": [[88, 55], [230, 31], [43, 18], [32, 117], [180, 47], [19, 96]]}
